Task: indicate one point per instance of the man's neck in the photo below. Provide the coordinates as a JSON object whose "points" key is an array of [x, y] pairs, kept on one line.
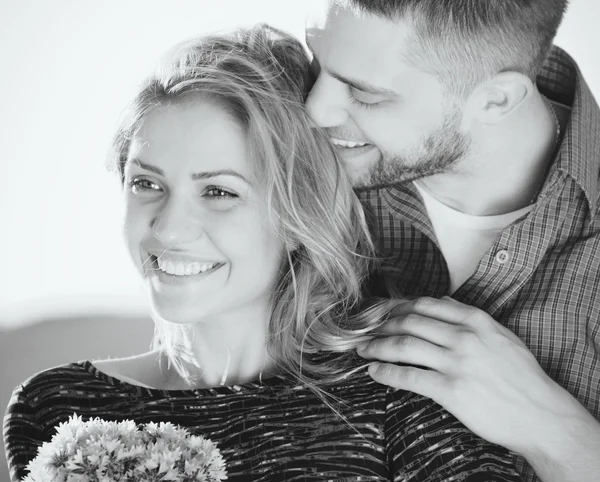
{"points": [[506, 167]]}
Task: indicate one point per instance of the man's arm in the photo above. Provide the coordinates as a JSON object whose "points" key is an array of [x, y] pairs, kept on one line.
{"points": [[484, 375], [570, 449]]}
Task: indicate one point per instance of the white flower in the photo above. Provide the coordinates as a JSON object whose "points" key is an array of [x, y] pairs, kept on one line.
{"points": [[103, 451]]}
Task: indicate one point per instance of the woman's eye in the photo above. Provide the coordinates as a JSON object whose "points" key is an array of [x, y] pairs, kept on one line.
{"points": [[215, 192], [140, 185], [219, 193]]}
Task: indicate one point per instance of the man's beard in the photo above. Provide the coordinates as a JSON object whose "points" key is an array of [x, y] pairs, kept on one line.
{"points": [[440, 152]]}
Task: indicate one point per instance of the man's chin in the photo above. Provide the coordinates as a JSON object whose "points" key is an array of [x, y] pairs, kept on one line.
{"points": [[359, 162], [375, 179], [367, 169], [359, 156]]}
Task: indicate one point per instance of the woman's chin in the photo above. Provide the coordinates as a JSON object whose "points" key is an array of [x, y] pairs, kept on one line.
{"points": [[174, 311]]}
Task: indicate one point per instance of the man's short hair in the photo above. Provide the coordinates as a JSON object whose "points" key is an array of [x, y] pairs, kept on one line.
{"points": [[468, 41]]}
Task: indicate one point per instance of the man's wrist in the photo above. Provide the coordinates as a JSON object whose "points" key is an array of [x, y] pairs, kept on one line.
{"points": [[568, 443]]}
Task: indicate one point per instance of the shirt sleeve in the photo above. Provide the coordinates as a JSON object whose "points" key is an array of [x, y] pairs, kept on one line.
{"points": [[22, 434], [425, 443]]}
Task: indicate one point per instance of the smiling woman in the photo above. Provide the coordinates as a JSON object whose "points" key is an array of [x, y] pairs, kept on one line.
{"points": [[193, 219], [195, 225], [219, 171]]}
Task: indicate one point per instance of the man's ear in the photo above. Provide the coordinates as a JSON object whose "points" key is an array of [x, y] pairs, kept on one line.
{"points": [[494, 99]]}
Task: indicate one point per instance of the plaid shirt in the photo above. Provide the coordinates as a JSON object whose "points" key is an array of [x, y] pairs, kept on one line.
{"points": [[541, 278]]}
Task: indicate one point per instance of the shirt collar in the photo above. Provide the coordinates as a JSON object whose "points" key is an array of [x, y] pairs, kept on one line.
{"points": [[579, 154]]}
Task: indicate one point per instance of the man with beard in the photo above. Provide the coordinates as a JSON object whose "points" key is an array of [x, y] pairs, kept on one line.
{"points": [[475, 146]]}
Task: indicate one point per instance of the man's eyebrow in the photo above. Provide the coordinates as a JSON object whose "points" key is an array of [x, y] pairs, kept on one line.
{"points": [[354, 83], [196, 176]]}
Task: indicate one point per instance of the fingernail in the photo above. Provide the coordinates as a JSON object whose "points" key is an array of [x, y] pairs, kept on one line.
{"points": [[373, 367], [362, 346]]}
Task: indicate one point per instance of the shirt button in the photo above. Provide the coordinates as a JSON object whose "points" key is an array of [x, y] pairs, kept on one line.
{"points": [[502, 256]]}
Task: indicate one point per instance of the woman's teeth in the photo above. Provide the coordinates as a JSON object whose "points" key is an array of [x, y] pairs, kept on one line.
{"points": [[178, 268]]}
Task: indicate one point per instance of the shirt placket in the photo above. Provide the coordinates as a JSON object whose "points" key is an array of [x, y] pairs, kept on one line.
{"points": [[513, 258]]}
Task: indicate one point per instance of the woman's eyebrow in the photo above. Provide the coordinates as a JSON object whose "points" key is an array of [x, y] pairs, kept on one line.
{"points": [[221, 172], [195, 176], [147, 167]]}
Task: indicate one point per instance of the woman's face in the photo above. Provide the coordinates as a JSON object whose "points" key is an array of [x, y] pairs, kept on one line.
{"points": [[195, 223]]}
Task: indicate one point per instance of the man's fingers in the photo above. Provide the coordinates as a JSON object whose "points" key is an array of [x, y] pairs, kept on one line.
{"points": [[428, 383], [406, 349], [445, 309], [434, 331]]}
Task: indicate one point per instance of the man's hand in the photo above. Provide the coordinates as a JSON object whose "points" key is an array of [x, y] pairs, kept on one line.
{"points": [[478, 370]]}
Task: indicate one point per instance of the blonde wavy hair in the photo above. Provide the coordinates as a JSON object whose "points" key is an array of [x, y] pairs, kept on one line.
{"points": [[261, 76]]}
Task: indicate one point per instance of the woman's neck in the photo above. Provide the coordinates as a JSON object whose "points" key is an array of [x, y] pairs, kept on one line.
{"points": [[229, 350]]}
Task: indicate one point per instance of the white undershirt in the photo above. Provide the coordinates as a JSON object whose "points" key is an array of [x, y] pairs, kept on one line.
{"points": [[464, 239]]}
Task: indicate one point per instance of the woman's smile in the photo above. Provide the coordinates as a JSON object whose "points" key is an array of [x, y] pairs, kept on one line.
{"points": [[174, 269], [184, 269]]}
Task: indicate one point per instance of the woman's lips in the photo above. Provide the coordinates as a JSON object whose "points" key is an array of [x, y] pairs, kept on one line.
{"points": [[182, 268]]}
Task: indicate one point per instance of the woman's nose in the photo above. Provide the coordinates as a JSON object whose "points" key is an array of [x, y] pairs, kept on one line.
{"points": [[177, 223]]}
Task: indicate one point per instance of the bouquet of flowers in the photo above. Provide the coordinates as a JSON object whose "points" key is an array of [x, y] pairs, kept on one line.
{"points": [[101, 451]]}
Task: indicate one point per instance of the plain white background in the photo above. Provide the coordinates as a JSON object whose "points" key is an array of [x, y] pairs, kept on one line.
{"points": [[67, 69]]}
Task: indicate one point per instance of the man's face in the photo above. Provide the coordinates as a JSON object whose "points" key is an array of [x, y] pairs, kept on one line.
{"points": [[390, 121]]}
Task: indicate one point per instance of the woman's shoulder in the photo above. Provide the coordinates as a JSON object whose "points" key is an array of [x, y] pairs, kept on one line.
{"points": [[141, 370], [72, 386], [79, 377], [39, 391], [54, 376]]}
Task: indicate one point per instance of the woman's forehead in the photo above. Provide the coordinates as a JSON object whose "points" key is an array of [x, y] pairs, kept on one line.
{"points": [[196, 132]]}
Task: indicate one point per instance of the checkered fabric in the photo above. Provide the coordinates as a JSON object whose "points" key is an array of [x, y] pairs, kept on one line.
{"points": [[541, 278]]}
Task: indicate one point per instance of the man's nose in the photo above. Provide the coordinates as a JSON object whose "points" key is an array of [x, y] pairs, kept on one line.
{"points": [[326, 102]]}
